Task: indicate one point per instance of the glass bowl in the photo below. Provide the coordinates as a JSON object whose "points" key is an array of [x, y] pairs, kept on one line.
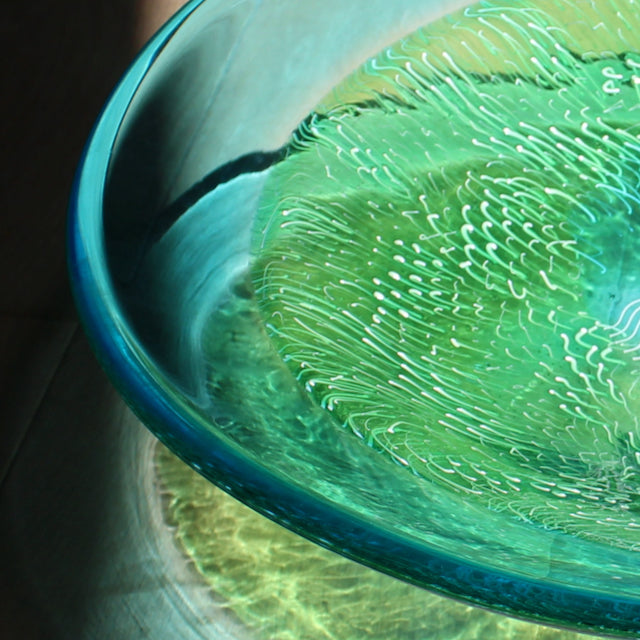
{"points": [[181, 181]]}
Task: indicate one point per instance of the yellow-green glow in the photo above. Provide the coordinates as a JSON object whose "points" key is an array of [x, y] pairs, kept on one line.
{"points": [[283, 587]]}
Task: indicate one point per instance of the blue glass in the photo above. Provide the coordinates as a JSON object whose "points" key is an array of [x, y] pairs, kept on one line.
{"points": [[160, 247]]}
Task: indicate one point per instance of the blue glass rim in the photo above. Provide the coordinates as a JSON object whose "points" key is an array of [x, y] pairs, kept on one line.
{"points": [[330, 525]]}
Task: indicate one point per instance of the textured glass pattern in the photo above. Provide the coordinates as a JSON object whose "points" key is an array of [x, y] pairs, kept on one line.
{"points": [[447, 260]]}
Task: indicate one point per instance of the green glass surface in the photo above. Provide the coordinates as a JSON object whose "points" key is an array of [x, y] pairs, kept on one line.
{"points": [[447, 260], [410, 333]]}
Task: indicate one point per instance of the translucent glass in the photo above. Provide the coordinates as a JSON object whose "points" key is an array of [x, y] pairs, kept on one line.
{"points": [[238, 187]]}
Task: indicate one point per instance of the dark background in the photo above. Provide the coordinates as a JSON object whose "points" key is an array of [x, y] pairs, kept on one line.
{"points": [[60, 61]]}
